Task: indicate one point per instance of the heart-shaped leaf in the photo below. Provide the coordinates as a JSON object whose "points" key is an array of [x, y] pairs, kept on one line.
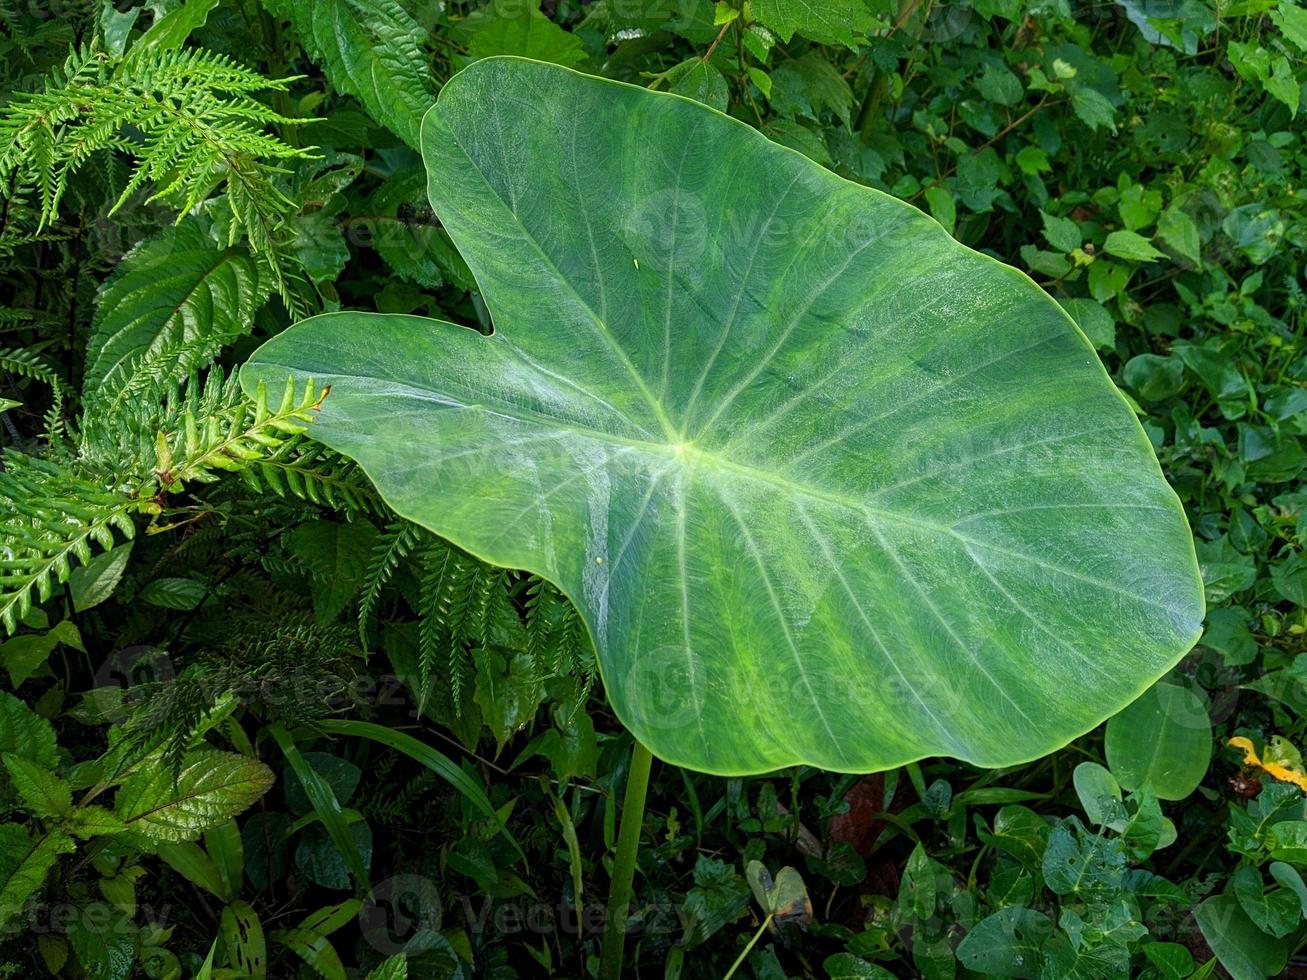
{"points": [[826, 486]]}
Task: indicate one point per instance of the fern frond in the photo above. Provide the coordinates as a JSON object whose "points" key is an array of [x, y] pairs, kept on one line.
{"points": [[449, 578], [195, 126], [556, 639], [30, 364], [310, 471], [393, 546], [53, 518]]}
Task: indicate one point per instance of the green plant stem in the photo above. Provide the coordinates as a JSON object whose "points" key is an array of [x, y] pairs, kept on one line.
{"points": [[628, 846], [747, 949]]}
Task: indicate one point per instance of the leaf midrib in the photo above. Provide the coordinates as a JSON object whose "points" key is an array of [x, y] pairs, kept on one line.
{"points": [[686, 455]]}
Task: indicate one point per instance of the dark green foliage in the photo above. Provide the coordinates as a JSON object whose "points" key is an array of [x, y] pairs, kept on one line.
{"points": [[189, 584]]}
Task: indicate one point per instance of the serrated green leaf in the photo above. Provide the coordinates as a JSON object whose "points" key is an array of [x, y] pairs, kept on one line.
{"points": [[93, 821], [1131, 245], [517, 27], [104, 942], [744, 470], [173, 593], [370, 49], [43, 793], [1178, 230], [172, 303], [25, 733], [1062, 233], [1094, 109], [1094, 321], [1292, 22], [825, 21], [25, 861], [998, 84], [211, 788]]}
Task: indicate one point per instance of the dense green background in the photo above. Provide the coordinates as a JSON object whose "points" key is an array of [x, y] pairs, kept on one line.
{"points": [[1143, 162]]}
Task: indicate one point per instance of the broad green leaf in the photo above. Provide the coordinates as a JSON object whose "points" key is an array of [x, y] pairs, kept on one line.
{"points": [[93, 821], [1090, 867], [1282, 84], [1288, 842], [1097, 789], [25, 733], [1007, 943], [1172, 960], [698, 79], [518, 27], [173, 302], [395, 968], [1292, 22], [43, 793], [314, 950], [825, 21], [1289, 877], [1245, 951], [1062, 233], [93, 583], [171, 29], [1131, 245], [329, 918], [1164, 739], [223, 844], [1178, 230], [784, 898], [846, 966], [825, 485], [24, 863], [1094, 109], [103, 940], [370, 49], [117, 27], [211, 788], [1276, 912]]}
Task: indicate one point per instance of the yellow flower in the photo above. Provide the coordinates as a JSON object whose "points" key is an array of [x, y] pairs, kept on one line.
{"points": [[1283, 773]]}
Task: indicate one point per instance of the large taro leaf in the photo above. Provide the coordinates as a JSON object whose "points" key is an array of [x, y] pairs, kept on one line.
{"points": [[826, 486]]}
